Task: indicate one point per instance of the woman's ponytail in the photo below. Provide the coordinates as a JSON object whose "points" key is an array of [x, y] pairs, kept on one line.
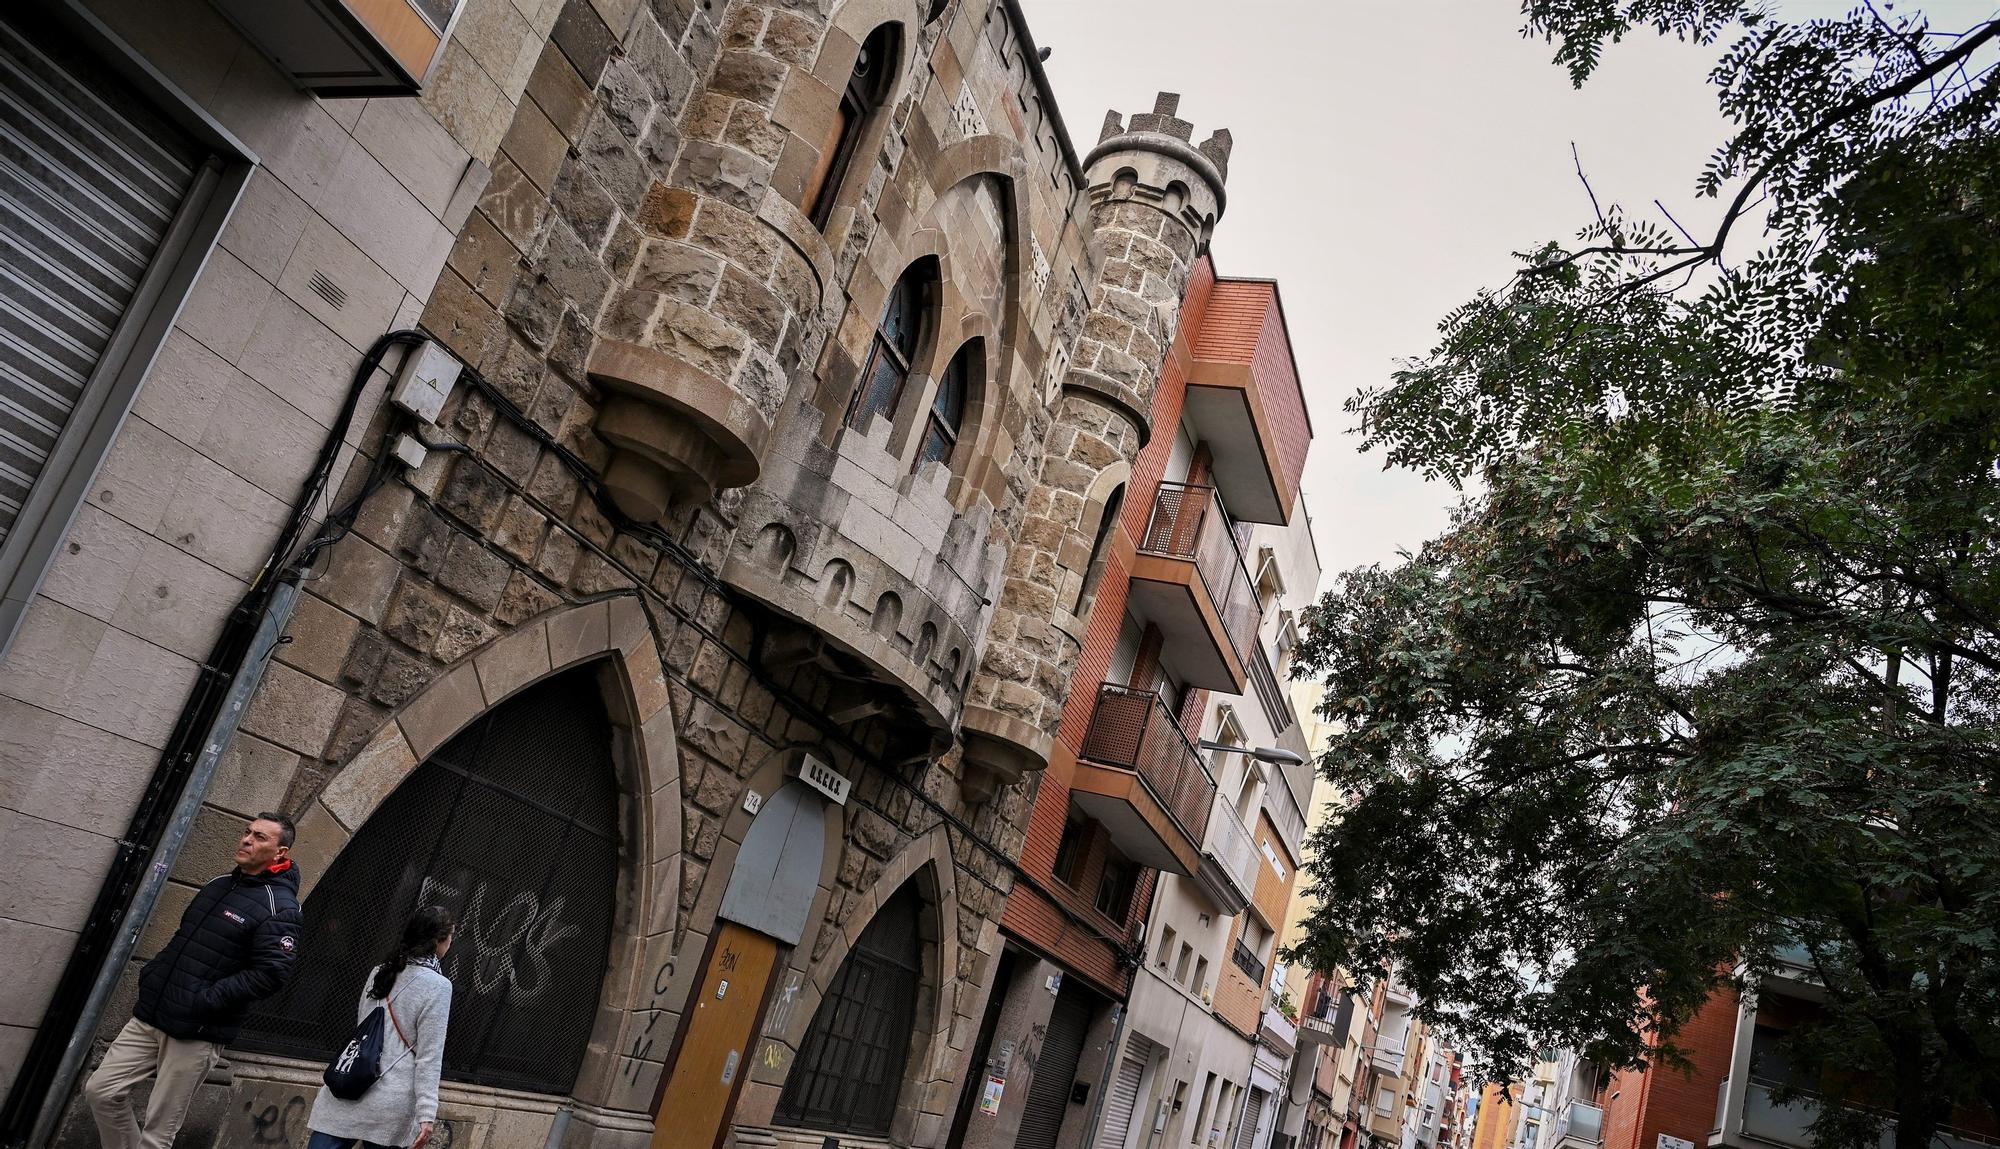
{"points": [[421, 935]]}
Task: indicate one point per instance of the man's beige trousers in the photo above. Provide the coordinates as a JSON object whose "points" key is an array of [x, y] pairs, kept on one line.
{"points": [[140, 1052]]}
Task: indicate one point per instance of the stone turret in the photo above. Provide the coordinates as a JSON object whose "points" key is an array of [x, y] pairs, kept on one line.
{"points": [[1154, 200]]}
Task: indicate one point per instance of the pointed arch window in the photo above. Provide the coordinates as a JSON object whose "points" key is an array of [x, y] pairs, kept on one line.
{"points": [[868, 88], [947, 413], [893, 349], [850, 1066]]}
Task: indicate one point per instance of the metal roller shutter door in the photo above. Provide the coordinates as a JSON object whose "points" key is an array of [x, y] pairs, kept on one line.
{"points": [[1253, 1112], [90, 180], [1120, 1102], [1055, 1070]]}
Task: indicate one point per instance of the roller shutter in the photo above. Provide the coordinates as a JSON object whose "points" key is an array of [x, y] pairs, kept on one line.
{"points": [[1055, 1069], [90, 180], [1253, 1113], [1120, 1102]]}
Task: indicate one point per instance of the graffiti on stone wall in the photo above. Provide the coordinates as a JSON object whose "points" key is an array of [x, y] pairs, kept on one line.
{"points": [[643, 1041], [275, 1123]]}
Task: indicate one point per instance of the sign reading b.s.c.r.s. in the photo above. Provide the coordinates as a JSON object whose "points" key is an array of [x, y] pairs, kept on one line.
{"points": [[824, 778]]}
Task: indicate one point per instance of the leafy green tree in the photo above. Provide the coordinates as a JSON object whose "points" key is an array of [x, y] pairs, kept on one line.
{"points": [[1708, 665]]}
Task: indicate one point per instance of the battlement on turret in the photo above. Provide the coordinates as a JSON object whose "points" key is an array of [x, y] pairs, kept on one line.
{"points": [[1163, 121]]}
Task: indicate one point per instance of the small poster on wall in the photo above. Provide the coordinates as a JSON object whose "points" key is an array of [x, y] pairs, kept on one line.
{"points": [[989, 1098]]}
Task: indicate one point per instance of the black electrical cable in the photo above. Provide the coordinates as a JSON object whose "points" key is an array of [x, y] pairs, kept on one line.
{"points": [[157, 802]]}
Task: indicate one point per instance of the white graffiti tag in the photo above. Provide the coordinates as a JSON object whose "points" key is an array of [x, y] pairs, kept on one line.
{"points": [[503, 941]]}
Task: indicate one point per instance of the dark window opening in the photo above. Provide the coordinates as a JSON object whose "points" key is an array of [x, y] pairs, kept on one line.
{"points": [[1114, 889], [893, 349], [1106, 523], [850, 1066], [1069, 851], [867, 89], [947, 413], [512, 826]]}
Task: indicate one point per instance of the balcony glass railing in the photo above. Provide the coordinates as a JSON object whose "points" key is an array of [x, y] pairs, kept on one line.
{"points": [[1230, 844], [1188, 523], [1133, 730], [1766, 1120], [1581, 1123]]}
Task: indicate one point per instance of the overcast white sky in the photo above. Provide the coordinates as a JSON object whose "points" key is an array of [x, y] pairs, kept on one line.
{"points": [[1389, 155]]}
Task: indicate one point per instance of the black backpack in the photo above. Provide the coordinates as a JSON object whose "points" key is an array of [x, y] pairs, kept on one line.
{"points": [[359, 1065]]}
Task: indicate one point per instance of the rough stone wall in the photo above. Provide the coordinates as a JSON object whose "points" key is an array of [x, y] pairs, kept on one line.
{"points": [[631, 204], [337, 238]]}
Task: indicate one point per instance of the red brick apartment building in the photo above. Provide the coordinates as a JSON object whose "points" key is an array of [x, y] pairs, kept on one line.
{"points": [[1169, 615]]}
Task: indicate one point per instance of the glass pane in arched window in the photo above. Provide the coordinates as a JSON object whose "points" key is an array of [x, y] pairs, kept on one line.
{"points": [[947, 414], [889, 354]]}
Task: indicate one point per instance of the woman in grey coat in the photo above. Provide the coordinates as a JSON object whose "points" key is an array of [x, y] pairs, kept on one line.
{"points": [[398, 1110]]}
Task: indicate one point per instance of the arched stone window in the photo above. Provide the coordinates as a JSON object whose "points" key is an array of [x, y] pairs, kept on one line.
{"points": [[947, 413], [1107, 521], [850, 1066], [511, 825], [868, 89], [897, 337]]}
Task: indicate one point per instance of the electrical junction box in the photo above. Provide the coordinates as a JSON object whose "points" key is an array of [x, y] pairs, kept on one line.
{"points": [[428, 374], [409, 451]]}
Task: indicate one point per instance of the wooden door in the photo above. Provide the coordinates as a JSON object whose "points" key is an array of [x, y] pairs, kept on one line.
{"points": [[712, 1055]]}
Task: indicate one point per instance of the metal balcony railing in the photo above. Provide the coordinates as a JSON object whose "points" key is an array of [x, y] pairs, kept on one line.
{"points": [[1189, 523], [1247, 962], [1133, 730]]}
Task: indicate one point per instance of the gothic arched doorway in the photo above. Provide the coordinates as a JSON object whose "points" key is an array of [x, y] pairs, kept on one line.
{"points": [[512, 825], [850, 1067]]}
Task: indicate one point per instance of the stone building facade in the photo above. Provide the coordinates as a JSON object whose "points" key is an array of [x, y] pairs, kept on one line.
{"points": [[707, 664]]}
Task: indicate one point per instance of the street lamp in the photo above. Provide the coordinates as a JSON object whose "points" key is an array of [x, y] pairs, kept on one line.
{"points": [[1275, 754]]}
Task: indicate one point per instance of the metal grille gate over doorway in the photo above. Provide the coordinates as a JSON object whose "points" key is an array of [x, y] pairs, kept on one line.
{"points": [[512, 825]]}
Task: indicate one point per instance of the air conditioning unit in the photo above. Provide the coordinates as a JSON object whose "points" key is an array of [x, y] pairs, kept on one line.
{"points": [[348, 47]]}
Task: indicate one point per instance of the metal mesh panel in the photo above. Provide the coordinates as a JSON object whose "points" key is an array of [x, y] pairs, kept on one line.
{"points": [[850, 1066], [1188, 523], [1133, 729], [512, 826]]}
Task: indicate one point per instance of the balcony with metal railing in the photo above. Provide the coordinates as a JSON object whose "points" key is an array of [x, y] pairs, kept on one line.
{"points": [[1188, 579], [1229, 860], [1139, 775]]}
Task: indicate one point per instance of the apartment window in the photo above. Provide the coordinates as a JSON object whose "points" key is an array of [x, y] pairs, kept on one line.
{"points": [[112, 190], [1069, 850], [1385, 1100], [1166, 946], [867, 89], [897, 336], [1200, 975], [947, 413], [1200, 1127], [1181, 967], [1114, 888]]}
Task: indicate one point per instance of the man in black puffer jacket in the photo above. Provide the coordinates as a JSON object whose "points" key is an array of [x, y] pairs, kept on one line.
{"points": [[237, 943]]}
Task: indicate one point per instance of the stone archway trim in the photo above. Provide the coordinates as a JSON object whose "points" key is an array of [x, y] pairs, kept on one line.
{"points": [[482, 680]]}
